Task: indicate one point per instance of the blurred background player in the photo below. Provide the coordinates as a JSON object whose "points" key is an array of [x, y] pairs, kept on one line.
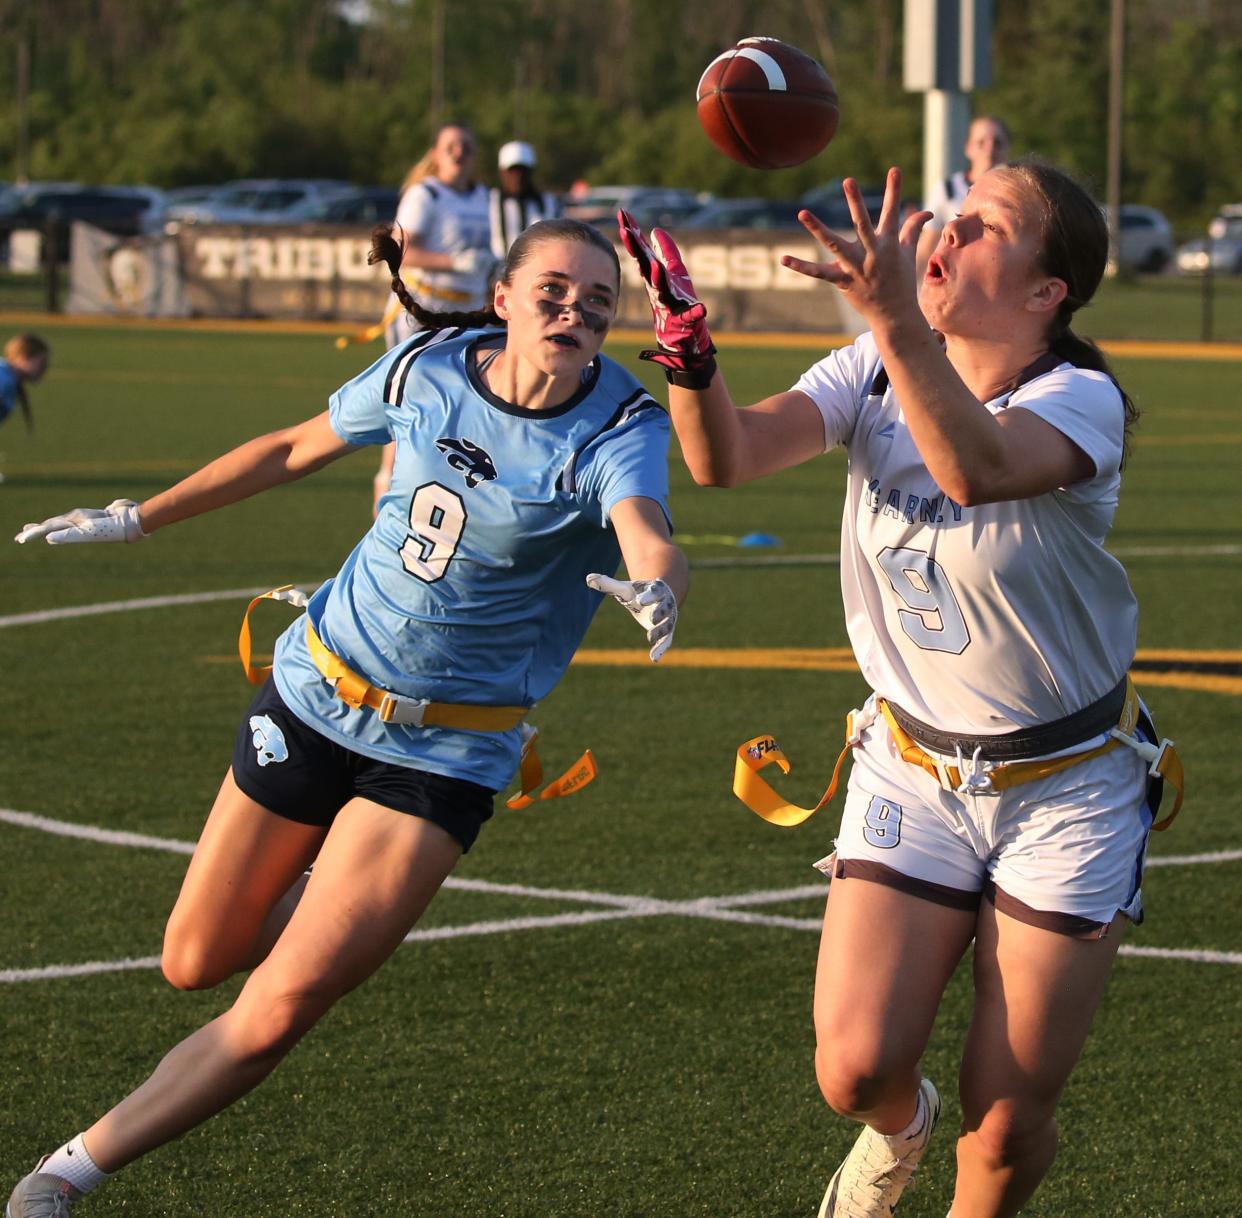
{"points": [[26, 358], [517, 202], [987, 145], [445, 228], [460, 607]]}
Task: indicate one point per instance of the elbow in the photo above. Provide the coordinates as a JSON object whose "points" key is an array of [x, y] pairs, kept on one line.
{"points": [[974, 483], [714, 474], [971, 490], [965, 493]]}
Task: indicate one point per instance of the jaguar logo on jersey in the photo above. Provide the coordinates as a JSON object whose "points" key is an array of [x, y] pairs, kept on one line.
{"points": [[466, 456], [268, 739]]}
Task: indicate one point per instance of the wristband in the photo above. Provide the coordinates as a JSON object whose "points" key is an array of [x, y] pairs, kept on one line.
{"points": [[692, 378]]}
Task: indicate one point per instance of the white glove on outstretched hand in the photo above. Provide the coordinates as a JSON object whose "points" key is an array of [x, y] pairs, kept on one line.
{"points": [[117, 522], [650, 601]]}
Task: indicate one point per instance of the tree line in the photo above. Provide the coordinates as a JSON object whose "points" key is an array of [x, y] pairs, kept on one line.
{"points": [[178, 92]]}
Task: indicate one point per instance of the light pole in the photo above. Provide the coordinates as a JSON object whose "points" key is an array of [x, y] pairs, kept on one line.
{"points": [[21, 170], [1116, 97], [948, 54]]}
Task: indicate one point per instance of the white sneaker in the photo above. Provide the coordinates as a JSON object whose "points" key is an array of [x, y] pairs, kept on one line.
{"points": [[41, 1196], [871, 1180]]}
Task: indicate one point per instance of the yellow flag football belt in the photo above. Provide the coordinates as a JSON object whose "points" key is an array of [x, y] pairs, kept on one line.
{"points": [[1163, 762], [356, 691], [420, 287]]}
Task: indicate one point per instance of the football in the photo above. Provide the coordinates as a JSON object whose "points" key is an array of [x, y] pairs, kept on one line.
{"points": [[767, 104]]}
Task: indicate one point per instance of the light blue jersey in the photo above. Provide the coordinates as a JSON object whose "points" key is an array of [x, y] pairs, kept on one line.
{"points": [[9, 382], [469, 587]]}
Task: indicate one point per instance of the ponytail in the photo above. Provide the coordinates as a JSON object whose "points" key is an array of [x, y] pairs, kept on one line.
{"points": [[1075, 250], [1083, 353], [387, 249]]}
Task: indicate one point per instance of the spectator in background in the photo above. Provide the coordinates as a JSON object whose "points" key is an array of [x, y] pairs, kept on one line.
{"points": [[517, 202], [25, 359], [987, 145], [445, 231], [446, 235]]}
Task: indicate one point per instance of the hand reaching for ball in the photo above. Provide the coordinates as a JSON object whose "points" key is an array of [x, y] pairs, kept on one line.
{"points": [[875, 270]]}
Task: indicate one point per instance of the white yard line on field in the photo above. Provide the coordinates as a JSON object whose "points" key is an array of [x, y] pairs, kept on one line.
{"points": [[142, 602], [37, 616], [618, 905]]}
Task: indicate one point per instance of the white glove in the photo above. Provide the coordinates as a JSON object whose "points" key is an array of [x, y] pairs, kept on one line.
{"points": [[473, 262], [650, 601], [117, 522]]}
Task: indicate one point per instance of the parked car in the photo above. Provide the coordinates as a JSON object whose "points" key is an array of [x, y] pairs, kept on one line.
{"points": [[125, 211], [649, 205], [262, 201], [184, 196], [828, 203], [1145, 239], [1221, 249], [366, 205], [763, 214]]}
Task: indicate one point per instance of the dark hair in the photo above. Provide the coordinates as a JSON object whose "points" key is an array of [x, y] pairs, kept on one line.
{"points": [[1075, 250], [387, 249]]}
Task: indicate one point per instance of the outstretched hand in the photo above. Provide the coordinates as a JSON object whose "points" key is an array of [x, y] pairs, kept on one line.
{"points": [[119, 521], [875, 271], [679, 316], [650, 601]]}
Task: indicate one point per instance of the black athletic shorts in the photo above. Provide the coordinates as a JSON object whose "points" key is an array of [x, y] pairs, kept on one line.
{"points": [[303, 776]]}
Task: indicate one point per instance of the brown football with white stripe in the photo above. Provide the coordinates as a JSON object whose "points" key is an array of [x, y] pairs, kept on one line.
{"points": [[767, 104]]}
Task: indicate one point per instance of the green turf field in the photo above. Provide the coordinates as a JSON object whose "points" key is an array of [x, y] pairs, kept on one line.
{"points": [[598, 1024]]}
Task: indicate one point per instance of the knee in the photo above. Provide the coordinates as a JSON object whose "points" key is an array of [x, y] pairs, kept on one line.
{"points": [[188, 962], [1010, 1133], [855, 1081], [264, 1024]]}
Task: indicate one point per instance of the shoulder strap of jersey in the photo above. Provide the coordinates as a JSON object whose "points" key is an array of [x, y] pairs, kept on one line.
{"points": [[638, 401], [399, 370]]}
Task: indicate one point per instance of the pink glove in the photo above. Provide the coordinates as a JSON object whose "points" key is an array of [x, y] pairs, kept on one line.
{"points": [[686, 349]]}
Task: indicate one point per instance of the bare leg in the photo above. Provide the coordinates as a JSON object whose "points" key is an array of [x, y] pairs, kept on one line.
{"points": [[1036, 993], [229, 911], [885, 958], [375, 874]]}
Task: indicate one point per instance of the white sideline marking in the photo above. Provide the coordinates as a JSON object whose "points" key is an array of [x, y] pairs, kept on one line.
{"points": [[1186, 860], [1183, 953], [719, 909], [109, 837], [142, 602], [759, 560]]}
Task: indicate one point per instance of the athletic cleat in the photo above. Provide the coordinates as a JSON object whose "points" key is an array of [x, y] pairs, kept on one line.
{"points": [[40, 1196], [871, 1180]]}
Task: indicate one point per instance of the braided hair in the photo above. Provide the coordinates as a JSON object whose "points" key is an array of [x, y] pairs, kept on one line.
{"points": [[387, 249]]}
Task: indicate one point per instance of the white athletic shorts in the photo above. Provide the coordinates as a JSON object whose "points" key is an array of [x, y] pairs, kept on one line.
{"points": [[1065, 852]]}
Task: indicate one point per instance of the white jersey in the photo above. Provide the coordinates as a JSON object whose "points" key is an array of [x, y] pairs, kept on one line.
{"points": [[979, 620], [446, 221]]}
